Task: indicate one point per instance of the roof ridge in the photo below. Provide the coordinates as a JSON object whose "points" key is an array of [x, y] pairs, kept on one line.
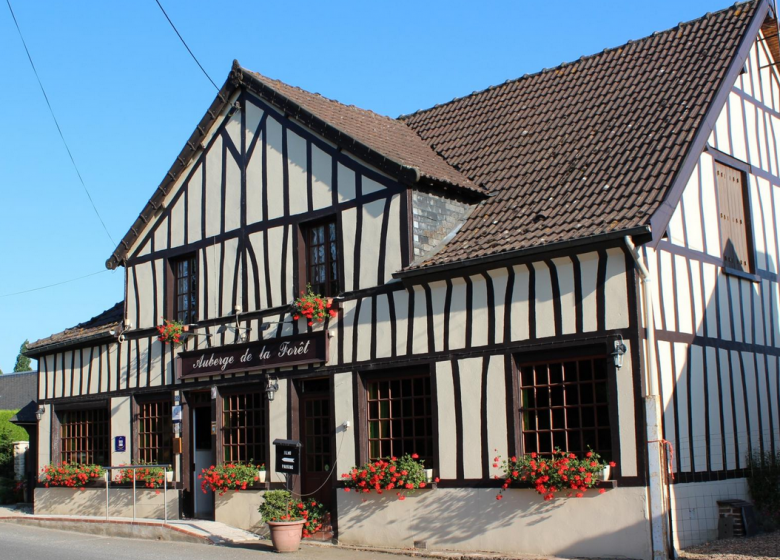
{"points": [[331, 100], [583, 58]]}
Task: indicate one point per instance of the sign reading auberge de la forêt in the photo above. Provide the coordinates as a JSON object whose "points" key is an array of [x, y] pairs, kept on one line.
{"points": [[308, 348]]}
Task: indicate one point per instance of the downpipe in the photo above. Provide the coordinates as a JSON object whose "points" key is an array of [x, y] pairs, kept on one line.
{"points": [[656, 483]]}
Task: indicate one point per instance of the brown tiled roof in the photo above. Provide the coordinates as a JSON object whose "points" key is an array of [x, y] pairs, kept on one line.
{"points": [[97, 327], [389, 137], [381, 141], [587, 148]]}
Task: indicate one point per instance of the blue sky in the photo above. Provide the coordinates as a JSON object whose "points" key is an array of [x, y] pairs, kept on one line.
{"points": [[128, 96]]}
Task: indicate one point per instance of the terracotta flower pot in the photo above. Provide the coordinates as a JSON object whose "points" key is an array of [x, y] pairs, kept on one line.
{"points": [[286, 535]]}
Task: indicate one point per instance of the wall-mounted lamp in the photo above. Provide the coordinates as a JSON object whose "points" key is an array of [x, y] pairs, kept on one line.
{"points": [[617, 355], [40, 412], [271, 387]]}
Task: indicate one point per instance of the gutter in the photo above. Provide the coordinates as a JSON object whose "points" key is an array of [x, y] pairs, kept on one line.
{"points": [[657, 485], [643, 232]]}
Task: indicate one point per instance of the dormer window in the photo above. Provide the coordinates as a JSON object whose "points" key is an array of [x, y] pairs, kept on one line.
{"points": [[185, 288], [322, 258]]}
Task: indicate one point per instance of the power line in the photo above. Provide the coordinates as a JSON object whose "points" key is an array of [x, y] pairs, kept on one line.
{"points": [[52, 285], [183, 42], [53, 116]]}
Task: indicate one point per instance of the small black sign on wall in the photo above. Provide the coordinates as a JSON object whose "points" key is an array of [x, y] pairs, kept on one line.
{"points": [[288, 456]]}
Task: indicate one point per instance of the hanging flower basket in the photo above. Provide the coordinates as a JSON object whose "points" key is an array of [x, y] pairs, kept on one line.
{"points": [[170, 332], [312, 306], [561, 472]]}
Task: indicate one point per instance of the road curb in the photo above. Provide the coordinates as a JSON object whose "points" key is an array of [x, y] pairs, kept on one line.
{"points": [[114, 528]]}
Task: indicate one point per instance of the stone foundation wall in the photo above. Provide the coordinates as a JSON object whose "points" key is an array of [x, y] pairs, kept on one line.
{"points": [[92, 502], [613, 524]]}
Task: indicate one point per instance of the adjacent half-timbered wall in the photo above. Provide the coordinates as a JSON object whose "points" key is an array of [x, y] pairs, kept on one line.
{"points": [[240, 206], [719, 333]]}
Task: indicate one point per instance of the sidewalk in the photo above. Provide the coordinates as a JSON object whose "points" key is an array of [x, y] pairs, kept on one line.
{"points": [[211, 532]]}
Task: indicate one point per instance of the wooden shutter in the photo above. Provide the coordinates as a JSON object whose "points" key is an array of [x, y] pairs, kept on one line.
{"points": [[734, 240]]}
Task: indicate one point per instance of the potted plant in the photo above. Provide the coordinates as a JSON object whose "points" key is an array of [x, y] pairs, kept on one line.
{"points": [[559, 472], [385, 475], [170, 332], [228, 476], [312, 306], [261, 472], [285, 518]]}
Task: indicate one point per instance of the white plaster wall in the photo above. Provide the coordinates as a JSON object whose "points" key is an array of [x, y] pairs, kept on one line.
{"points": [[44, 437], [239, 509], [277, 425], [613, 524], [343, 401], [121, 425]]}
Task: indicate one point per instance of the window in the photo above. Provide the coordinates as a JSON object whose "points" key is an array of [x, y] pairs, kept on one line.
{"points": [[322, 259], [564, 404], [244, 431], [735, 237], [185, 286], [155, 432], [84, 436], [400, 418]]}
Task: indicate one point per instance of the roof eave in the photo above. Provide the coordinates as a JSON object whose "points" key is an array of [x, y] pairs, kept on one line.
{"points": [[662, 215], [103, 336], [189, 151], [641, 233], [404, 173], [238, 77]]}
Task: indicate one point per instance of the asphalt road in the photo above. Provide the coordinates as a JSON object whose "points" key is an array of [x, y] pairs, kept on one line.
{"points": [[33, 543]]}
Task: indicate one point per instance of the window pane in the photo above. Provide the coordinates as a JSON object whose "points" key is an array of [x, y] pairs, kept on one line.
{"points": [[565, 404], [244, 432], [406, 424]]}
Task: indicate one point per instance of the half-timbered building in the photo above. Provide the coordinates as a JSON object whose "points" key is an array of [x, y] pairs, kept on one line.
{"points": [[582, 257]]}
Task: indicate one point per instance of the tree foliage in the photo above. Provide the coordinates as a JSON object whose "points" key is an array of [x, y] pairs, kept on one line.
{"points": [[22, 361]]}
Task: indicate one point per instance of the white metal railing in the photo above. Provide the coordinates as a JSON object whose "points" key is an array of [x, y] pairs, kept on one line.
{"points": [[134, 468]]}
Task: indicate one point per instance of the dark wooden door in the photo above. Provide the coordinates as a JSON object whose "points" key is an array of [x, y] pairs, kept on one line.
{"points": [[316, 436]]}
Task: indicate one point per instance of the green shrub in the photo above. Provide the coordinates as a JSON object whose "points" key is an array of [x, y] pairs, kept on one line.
{"points": [[16, 433], [278, 505], [764, 485]]}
